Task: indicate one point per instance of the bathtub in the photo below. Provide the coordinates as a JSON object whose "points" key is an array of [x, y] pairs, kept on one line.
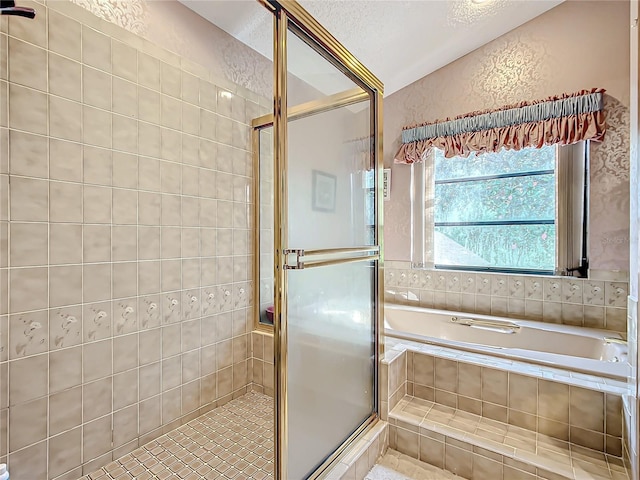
{"points": [[586, 350]]}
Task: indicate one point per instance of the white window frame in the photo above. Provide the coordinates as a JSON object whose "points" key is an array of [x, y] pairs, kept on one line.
{"points": [[572, 193]]}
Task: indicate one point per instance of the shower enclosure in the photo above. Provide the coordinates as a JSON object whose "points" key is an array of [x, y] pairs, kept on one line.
{"points": [[128, 178]]}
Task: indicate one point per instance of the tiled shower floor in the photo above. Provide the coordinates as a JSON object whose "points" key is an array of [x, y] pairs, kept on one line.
{"points": [[234, 441]]}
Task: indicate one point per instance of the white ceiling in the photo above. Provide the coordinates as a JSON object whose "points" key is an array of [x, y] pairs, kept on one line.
{"points": [[399, 41]]}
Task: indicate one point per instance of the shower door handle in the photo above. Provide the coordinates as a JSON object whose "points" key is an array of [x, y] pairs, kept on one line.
{"points": [[299, 259]]}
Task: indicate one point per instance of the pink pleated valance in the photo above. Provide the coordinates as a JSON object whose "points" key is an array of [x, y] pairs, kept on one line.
{"points": [[563, 120]]}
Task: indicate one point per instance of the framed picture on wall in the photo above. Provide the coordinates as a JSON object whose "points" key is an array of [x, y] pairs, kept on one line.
{"points": [[323, 191]]}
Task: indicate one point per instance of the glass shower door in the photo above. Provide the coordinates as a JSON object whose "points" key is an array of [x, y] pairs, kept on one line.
{"points": [[328, 299]]}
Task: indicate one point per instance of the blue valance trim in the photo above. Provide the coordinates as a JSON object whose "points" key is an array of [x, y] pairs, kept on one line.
{"points": [[588, 103]]}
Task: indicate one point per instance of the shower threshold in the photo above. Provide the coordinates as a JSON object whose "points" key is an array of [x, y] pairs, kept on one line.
{"points": [[233, 441]]}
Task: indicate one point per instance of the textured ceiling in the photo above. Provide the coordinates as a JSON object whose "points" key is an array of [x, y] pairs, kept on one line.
{"points": [[399, 41]]}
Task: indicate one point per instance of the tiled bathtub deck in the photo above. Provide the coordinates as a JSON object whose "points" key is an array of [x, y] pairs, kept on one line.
{"points": [[234, 441], [458, 429]]}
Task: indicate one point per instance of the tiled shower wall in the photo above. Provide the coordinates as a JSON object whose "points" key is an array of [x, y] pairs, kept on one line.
{"points": [[125, 262], [591, 303]]}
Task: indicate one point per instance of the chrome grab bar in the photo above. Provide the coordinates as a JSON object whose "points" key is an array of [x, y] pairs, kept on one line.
{"points": [[619, 341], [505, 327]]}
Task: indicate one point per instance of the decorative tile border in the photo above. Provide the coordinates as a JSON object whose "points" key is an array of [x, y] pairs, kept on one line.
{"points": [[567, 300]]}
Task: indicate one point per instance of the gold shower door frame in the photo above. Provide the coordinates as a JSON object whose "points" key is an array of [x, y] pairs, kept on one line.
{"points": [[286, 13]]}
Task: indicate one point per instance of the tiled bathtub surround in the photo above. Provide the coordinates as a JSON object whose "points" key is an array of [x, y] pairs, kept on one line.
{"points": [[472, 418], [566, 300], [584, 417], [475, 447], [125, 285]]}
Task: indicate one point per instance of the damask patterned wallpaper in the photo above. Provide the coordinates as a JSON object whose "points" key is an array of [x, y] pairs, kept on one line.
{"points": [[560, 51]]}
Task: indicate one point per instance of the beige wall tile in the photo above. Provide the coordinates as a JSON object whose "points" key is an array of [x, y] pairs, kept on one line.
{"points": [[125, 389], [28, 289], [125, 97], [34, 369], [97, 397], [125, 425], [171, 112], [27, 109], [29, 244], [124, 243], [523, 393], [28, 334], [27, 423], [96, 127], [97, 204], [65, 285], [170, 78], [124, 60], [148, 277], [586, 409], [96, 438], [65, 369], [553, 400], [96, 243], [65, 202], [125, 352], [96, 49], [96, 88], [149, 414], [65, 160], [124, 280], [458, 461], [65, 451], [97, 165], [97, 282], [125, 207], [125, 170], [65, 119], [29, 154], [494, 386], [148, 105], [64, 35], [148, 71], [65, 327], [30, 462], [29, 199], [26, 66], [587, 438], [65, 243], [149, 140], [149, 380], [171, 408], [97, 321], [65, 410], [190, 88], [96, 360], [125, 134], [171, 145]]}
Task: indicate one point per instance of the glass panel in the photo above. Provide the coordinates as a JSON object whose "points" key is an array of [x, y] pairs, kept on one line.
{"points": [[331, 309], [330, 375], [329, 153], [504, 161], [266, 225], [501, 199], [530, 247]]}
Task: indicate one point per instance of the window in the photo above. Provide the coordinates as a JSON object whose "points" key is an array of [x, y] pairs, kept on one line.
{"points": [[510, 211]]}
